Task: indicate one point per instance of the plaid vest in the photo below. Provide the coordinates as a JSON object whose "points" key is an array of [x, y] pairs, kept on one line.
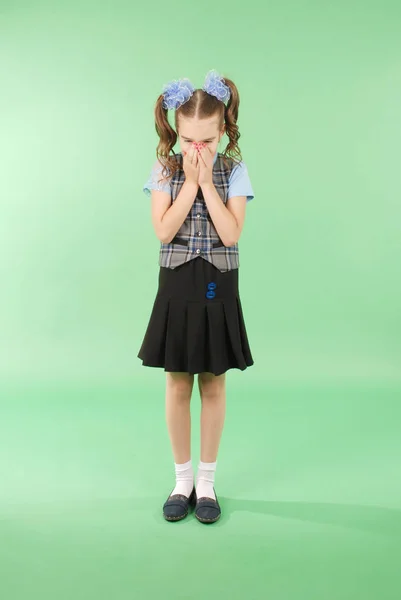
{"points": [[197, 236]]}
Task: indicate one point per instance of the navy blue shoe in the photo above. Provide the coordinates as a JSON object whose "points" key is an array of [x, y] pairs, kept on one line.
{"points": [[177, 506], [207, 510]]}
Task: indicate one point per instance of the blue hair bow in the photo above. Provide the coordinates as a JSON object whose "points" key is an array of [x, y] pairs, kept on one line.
{"points": [[214, 85], [176, 93], [179, 91]]}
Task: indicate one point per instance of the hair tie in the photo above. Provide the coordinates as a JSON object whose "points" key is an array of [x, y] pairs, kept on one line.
{"points": [[176, 93], [216, 86]]}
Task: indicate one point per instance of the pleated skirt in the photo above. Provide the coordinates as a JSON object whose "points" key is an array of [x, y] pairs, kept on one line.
{"points": [[196, 324]]}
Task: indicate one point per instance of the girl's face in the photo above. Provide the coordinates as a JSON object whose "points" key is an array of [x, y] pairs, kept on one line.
{"points": [[199, 130]]}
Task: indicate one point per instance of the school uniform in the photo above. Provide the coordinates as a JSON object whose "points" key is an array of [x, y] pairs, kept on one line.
{"points": [[197, 323]]}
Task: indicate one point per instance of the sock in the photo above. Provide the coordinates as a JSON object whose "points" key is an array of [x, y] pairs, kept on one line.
{"points": [[205, 480], [184, 478]]}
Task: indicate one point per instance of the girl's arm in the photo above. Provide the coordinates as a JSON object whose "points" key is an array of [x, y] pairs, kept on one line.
{"points": [[227, 219], [167, 218]]}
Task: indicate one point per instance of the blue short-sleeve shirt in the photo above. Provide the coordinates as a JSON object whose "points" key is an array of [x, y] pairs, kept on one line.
{"points": [[239, 182]]}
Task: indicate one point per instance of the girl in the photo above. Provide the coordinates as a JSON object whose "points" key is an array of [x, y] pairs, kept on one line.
{"points": [[196, 326]]}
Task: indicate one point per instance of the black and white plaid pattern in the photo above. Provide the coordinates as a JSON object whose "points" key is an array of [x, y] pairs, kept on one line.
{"points": [[197, 236]]}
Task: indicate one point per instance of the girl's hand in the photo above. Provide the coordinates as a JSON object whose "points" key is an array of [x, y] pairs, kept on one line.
{"points": [[205, 165], [191, 165]]}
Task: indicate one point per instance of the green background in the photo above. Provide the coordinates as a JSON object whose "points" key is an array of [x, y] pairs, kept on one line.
{"points": [[309, 467]]}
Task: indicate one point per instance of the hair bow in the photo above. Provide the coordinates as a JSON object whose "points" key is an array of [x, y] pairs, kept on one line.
{"points": [[179, 91], [215, 85], [176, 93]]}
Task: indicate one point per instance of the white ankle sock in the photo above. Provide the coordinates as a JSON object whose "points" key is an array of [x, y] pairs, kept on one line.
{"points": [[205, 480], [184, 478]]}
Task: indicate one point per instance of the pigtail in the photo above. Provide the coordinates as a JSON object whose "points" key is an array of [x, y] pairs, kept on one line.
{"points": [[231, 116], [167, 141]]}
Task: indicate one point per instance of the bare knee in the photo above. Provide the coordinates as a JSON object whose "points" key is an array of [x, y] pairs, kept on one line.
{"points": [[180, 385], [211, 387]]}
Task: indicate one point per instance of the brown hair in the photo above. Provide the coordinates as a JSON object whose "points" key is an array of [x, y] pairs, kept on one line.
{"points": [[202, 106]]}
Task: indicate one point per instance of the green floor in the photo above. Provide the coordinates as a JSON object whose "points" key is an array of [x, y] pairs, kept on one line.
{"points": [[308, 479]]}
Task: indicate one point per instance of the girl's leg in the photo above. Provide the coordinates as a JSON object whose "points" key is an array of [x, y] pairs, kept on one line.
{"points": [[178, 417], [212, 390]]}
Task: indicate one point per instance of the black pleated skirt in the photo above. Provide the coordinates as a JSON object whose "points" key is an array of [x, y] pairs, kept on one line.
{"points": [[196, 323]]}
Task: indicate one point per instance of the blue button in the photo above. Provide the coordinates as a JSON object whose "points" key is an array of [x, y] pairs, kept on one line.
{"points": [[211, 286], [210, 295]]}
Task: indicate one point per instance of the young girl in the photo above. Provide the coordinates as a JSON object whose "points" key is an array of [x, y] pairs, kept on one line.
{"points": [[196, 326]]}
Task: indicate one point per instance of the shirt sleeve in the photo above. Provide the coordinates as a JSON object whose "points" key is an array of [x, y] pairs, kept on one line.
{"points": [[239, 183], [152, 181]]}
